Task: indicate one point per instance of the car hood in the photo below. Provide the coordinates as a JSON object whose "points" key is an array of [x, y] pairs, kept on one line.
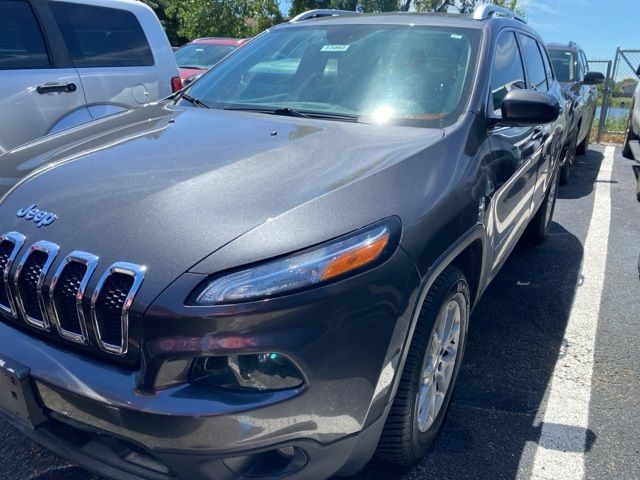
{"points": [[165, 186]]}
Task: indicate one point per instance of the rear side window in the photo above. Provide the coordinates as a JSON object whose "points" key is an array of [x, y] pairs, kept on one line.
{"points": [[508, 71], [584, 61], [547, 64], [535, 64], [102, 37], [565, 65], [21, 41], [581, 68]]}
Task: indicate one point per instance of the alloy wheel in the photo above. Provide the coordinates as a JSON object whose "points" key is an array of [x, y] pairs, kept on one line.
{"points": [[439, 363]]}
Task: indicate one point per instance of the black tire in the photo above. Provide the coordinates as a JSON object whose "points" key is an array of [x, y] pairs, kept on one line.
{"points": [[538, 227], [570, 158], [629, 137], [584, 144], [401, 442]]}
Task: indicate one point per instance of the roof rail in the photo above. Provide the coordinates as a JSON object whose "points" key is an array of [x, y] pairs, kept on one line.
{"points": [[322, 12], [488, 10]]}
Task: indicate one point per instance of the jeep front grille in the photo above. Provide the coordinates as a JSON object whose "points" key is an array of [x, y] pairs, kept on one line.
{"points": [[10, 245], [42, 300], [29, 280], [67, 292], [111, 303]]}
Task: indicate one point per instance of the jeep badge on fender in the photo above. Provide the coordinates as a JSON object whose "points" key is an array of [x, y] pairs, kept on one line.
{"points": [[40, 217]]}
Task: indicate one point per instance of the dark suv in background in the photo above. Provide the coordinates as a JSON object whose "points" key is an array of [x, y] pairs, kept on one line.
{"points": [[272, 273], [579, 86]]}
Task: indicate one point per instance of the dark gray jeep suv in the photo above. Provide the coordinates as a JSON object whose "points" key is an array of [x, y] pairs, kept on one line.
{"points": [[579, 87], [271, 274]]}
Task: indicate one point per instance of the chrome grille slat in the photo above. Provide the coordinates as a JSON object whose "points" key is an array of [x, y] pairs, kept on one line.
{"points": [[23, 295], [108, 307], [33, 267], [17, 240], [67, 290]]}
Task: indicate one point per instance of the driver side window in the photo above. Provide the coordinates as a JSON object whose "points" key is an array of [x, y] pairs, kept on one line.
{"points": [[508, 70]]}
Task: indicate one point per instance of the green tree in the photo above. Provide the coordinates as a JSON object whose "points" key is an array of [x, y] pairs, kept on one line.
{"points": [[170, 23], [185, 20], [464, 6], [223, 18]]}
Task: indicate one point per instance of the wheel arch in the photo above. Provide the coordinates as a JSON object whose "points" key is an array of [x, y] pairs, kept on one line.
{"points": [[469, 254]]}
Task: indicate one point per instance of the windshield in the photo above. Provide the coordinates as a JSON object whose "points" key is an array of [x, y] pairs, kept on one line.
{"points": [[202, 56], [382, 73], [564, 64]]}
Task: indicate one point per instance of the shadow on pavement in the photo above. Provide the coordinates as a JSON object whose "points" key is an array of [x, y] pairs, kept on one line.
{"points": [[583, 176]]}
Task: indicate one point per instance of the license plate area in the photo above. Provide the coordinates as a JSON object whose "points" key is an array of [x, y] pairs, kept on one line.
{"points": [[16, 394]]}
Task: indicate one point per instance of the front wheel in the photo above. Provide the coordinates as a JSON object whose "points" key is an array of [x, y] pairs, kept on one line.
{"points": [[430, 372], [539, 225]]}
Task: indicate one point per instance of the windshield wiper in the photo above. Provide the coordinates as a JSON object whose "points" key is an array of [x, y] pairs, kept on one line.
{"points": [[292, 112], [193, 100]]}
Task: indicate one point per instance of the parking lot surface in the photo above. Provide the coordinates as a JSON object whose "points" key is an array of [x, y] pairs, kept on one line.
{"points": [[551, 378]]}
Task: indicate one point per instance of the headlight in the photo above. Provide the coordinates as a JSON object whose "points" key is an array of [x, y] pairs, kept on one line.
{"points": [[301, 270]]}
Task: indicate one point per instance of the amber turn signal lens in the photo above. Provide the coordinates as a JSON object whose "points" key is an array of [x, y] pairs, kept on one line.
{"points": [[350, 260]]}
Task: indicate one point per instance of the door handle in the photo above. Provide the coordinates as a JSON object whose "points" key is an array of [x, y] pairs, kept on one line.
{"points": [[57, 87], [538, 133]]}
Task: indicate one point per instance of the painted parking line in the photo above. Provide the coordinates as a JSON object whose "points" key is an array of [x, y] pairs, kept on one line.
{"points": [[565, 432]]}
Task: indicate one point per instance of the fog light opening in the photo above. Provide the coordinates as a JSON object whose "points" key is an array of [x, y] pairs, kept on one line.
{"points": [[278, 462], [262, 372]]}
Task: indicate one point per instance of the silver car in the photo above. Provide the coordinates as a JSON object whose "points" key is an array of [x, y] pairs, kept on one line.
{"points": [[63, 63]]}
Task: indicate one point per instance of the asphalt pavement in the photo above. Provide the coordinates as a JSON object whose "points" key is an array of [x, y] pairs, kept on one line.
{"points": [[539, 348]]}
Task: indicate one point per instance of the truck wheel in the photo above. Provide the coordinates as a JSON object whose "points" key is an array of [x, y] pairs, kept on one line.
{"points": [[538, 227], [570, 158], [430, 372], [629, 137]]}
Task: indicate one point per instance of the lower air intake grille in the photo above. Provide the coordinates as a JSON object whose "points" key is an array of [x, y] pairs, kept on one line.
{"points": [[28, 284], [65, 294]]}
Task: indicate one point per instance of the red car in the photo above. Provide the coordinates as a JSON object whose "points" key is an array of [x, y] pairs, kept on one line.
{"points": [[201, 54]]}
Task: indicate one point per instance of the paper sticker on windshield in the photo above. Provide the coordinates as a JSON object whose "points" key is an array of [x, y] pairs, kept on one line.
{"points": [[455, 36], [335, 48]]}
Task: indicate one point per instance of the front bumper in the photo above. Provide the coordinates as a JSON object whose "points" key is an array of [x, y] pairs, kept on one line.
{"points": [[347, 338]]}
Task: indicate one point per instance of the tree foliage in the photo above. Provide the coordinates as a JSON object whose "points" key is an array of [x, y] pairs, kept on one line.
{"points": [[299, 6], [185, 20], [464, 6]]}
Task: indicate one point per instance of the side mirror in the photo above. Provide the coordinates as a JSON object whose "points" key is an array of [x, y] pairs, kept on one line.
{"points": [[593, 78], [638, 71], [191, 79], [529, 107]]}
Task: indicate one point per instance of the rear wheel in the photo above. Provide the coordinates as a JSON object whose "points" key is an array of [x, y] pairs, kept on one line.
{"points": [[539, 225], [430, 372], [570, 158], [584, 144]]}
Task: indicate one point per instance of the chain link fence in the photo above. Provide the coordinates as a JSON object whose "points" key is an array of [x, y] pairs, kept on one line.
{"points": [[616, 94]]}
